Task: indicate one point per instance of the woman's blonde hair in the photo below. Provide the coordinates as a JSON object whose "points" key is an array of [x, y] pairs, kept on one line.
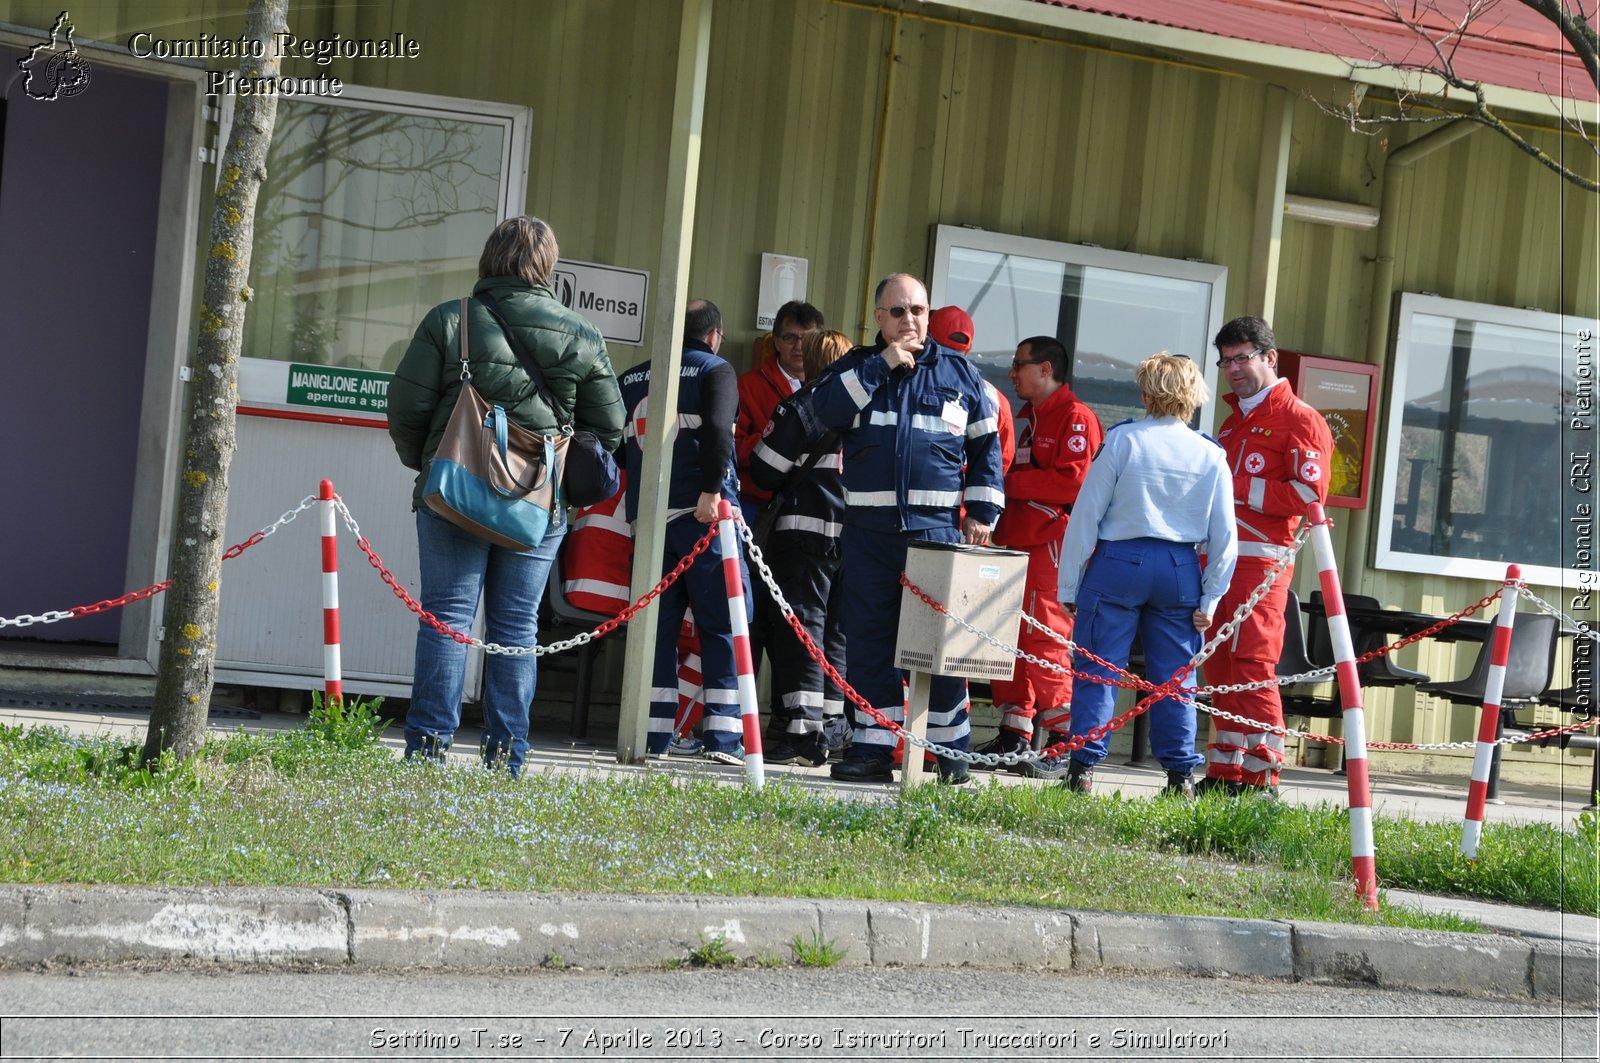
{"points": [[1172, 385], [520, 247], [821, 348]]}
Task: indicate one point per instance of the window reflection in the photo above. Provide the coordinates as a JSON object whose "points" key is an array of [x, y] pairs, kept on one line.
{"points": [[367, 218], [1109, 319], [1480, 461]]}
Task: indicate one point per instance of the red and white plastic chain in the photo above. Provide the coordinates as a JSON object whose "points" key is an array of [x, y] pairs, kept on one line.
{"points": [[604, 628], [155, 588]]}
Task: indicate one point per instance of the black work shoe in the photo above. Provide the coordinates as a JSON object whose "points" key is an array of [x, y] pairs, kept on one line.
{"points": [[954, 773], [805, 750], [998, 746], [1080, 778], [863, 769], [1212, 785], [1180, 784]]}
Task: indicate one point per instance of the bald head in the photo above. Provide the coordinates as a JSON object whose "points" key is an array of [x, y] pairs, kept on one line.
{"points": [[700, 320]]}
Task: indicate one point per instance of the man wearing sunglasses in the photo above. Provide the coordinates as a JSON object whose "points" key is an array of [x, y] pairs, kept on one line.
{"points": [[1278, 449], [919, 442]]}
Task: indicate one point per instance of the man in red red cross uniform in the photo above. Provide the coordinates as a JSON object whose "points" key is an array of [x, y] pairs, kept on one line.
{"points": [[1279, 449], [1057, 437]]}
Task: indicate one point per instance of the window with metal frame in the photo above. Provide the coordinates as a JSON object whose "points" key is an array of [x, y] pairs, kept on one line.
{"points": [[1110, 309], [1490, 433]]}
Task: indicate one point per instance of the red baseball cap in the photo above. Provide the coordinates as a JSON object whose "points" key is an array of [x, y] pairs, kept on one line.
{"points": [[951, 327]]}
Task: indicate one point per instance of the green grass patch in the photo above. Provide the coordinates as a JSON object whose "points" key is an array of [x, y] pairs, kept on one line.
{"points": [[327, 807]]}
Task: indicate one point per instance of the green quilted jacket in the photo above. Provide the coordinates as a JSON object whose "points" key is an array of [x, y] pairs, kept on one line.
{"points": [[569, 350]]}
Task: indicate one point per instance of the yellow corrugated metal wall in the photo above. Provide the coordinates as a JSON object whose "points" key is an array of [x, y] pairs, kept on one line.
{"points": [[842, 132]]}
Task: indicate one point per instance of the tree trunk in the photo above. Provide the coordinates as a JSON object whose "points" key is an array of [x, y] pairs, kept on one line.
{"points": [[188, 649]]}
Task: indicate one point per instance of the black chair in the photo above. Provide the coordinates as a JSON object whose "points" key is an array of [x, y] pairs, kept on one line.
{"points": [[1582, 699], [1531, 664], [1295, 659], [1378, 672], [564, 612]]}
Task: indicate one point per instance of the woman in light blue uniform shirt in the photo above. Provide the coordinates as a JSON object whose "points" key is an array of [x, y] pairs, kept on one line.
{"points": [[1157, 497]]}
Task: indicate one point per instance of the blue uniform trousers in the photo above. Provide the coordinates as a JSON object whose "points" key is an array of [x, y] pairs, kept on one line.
{"points": [[1148, 587], [704, 588], [873, 561]]}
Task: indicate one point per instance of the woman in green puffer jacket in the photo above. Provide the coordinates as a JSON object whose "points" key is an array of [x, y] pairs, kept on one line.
{"points": [[459, 568]]}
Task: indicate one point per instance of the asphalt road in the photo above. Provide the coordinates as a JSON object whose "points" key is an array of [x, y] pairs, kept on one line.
{"points": [[223, 1013]]}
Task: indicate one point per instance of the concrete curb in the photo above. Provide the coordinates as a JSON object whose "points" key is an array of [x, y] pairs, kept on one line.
{"points": [[377, 929]]}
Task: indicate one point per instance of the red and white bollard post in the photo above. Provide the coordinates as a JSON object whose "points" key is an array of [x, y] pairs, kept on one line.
{"points": [[755, 771], [1494, 685], [332, 678], [1363, 863]]}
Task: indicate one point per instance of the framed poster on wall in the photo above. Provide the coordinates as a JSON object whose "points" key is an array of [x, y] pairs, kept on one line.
{"points": [[1346, 394]]}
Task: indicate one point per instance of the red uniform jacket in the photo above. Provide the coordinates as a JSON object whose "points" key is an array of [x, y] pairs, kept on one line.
{"points": [[1279, 455], [760, 391], [1055, 443]]}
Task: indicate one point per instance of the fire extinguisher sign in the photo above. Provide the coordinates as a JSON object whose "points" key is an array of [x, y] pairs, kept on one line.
{"points": [[783, 279]]}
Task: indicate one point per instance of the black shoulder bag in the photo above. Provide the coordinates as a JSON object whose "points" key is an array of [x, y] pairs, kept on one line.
{"points": [[589, 473], [761, 530]]}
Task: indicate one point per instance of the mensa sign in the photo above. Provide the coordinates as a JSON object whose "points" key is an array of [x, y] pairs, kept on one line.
{"points": [[612, 298]]}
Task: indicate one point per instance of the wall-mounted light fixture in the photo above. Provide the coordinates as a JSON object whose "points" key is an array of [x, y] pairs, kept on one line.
{"points": [[1330, 212]]}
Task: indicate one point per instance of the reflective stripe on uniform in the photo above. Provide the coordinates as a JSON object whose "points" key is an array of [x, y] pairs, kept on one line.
{"points": [[797, 522]]}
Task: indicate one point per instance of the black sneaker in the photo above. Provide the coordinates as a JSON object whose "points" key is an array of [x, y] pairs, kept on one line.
{"points": [[1049, 767], [1180, 784], [998, 746], [954, 772], [864, 768], [1080, 778], [1212, 785], [805, 750]]}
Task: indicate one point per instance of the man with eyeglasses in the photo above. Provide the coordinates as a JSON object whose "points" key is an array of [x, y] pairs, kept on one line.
{"points": [[779, 372], [1278, 449], [1057, 436], [919, 441]]}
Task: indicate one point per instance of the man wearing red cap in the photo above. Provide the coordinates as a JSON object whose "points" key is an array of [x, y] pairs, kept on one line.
{"points": [[951, 326], [1057, 437]]}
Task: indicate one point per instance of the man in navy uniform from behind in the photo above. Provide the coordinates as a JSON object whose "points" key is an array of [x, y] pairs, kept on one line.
{"points": [[701, 475], [919, 441]]}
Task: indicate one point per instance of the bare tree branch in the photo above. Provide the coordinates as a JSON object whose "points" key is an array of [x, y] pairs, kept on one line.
{"points": [[1439, 38]]}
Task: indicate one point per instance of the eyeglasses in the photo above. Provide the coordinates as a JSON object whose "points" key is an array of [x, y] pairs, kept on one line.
{"points": [[789, 339], [1018, 363], [1238, 359], [898, 312]]}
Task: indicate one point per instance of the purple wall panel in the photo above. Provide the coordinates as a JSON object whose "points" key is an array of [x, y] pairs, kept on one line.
{"points": [[78, 201]]}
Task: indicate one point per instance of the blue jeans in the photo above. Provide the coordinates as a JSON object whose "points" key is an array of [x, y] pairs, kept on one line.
{"points": [[1151, 588], [458, 568]]}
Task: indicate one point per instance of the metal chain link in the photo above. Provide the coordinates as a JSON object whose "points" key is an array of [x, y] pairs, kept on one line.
{"points": [[600, 631], [1580, 628], [154, 589]]}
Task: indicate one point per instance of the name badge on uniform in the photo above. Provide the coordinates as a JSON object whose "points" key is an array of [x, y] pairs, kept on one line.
{"points": [[955, 415]]}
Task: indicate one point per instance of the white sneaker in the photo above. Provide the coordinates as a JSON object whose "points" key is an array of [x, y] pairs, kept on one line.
{"points": [[734, 756], [685, 746]]}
